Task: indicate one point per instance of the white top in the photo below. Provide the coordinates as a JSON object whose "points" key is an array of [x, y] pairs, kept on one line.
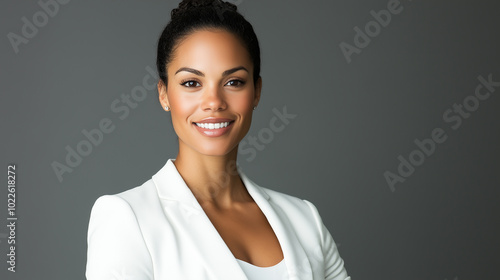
{"points": [[275, 272]]}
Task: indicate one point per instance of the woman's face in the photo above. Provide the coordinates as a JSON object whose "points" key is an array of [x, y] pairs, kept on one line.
{"points": [[210, 92]]}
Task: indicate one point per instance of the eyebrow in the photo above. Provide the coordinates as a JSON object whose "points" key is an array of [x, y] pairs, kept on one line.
{"points": [[199, 73]]}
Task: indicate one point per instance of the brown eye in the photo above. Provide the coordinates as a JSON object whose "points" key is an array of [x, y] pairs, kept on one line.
{"points": [[235, 83], [190, 83]]}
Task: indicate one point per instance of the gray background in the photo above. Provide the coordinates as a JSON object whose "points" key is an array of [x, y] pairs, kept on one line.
{"points": [[353, 121]]}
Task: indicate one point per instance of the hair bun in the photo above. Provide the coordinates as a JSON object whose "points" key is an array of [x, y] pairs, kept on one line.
{"points": [[187, 5]]}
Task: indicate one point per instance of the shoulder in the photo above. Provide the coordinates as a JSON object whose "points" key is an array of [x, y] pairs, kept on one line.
{"points": [[131, 197], [124, 215], [115, 237], [133, 204]]}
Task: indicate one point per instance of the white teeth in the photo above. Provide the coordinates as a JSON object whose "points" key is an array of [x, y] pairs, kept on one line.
{"points": [[212, 125]]}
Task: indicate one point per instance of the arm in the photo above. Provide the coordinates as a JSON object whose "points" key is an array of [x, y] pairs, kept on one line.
{"points": [[334, 265], [116, 248]]}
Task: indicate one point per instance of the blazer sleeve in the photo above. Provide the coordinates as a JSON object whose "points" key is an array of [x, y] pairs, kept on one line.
{"points": [[116, 247], [334, 265]]}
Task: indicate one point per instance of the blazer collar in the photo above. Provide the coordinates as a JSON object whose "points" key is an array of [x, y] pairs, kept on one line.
{"points": [[191, 219]]}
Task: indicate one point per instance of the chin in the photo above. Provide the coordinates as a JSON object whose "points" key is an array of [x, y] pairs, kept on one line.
{"points": [[213, 149]]}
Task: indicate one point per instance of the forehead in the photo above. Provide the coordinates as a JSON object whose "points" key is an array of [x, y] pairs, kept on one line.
{"points": [[212, 49]]}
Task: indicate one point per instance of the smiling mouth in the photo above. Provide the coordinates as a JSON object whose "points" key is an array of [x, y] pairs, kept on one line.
{"points": [[218, 125]]}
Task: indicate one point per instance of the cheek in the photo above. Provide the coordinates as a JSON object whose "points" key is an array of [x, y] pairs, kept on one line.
{"points": [[182, 108], [243, 104]]}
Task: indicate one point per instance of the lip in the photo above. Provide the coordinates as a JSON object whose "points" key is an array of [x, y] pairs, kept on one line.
{"points": [[213, 120], [214, 132]]}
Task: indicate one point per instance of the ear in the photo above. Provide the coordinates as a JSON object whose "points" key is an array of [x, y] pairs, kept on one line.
{"points": [[162, 94], [258, 89]]}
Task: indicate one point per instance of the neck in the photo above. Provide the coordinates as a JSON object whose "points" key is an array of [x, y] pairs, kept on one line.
{"points": [[213, 180]]}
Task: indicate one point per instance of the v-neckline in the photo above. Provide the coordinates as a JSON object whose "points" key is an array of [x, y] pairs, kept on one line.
{"points": [[214, 229]]}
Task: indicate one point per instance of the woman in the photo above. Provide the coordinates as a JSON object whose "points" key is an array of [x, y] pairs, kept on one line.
{"points": [[200, 217]]}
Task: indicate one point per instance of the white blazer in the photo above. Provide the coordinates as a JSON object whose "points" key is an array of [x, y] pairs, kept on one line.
{"points": [[159, 231]]}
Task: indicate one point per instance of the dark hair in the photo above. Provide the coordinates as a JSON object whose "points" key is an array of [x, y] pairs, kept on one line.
{"points": [[194, 15]]}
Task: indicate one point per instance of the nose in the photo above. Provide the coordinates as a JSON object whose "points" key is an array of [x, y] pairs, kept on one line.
{"points": [[213, 99]]}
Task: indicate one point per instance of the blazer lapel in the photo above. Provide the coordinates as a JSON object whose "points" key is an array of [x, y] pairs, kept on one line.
{"points": [[190, 220], [296, 260]]}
